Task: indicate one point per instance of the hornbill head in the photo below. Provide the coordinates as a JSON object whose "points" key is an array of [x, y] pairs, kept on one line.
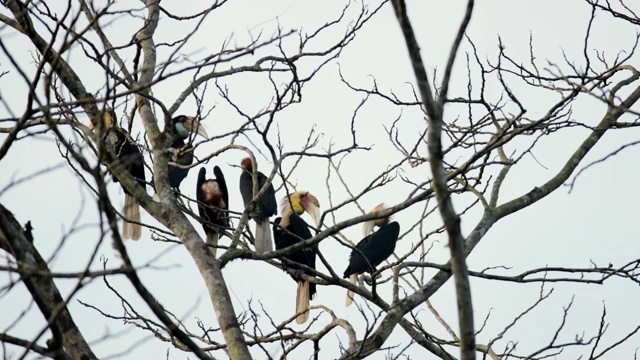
{"points": [[301, 201], [106, 119], [247, 165], [184, 126], [368, 226]]}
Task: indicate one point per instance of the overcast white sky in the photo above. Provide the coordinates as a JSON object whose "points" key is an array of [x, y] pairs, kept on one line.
{"points": [[596, 222]]}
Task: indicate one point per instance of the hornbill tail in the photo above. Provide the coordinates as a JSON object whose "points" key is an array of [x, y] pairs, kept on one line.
{"points": [[212, 242], [263, 237], [350, 294], [131, 228], [302, 302]]}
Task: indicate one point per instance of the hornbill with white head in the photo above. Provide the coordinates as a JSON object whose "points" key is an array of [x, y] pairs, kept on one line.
{"points": [[183, 127], [265, 207], [131, 159], [213, 205], [375, 248], [289, 230]]}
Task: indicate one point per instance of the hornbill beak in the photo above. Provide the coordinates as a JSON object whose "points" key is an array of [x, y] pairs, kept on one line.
{"points": [[194, 126], [367, 226], [312, 206], [302, 201]]}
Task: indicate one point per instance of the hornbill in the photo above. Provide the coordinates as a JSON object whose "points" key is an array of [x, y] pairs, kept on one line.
{"points": [[131, 159], [376, 248], [213, 205], [290, 229], [266, 205], [183, 127]]}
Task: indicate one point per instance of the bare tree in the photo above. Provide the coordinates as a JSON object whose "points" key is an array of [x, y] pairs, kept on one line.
{"points": [[92, 76]]}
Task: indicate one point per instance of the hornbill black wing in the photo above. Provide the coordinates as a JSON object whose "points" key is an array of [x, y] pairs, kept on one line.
{"points": [[246, 189], [222, 213], [202, 207], [129, 156], [268, 200], [177, 174], [222, 184], [376, 247], [267, 205]]}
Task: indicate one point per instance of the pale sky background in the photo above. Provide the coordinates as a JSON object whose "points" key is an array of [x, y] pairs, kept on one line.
{"points": [[596, 222]]}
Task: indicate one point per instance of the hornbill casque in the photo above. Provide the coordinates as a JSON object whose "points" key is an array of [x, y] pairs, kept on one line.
{"points": [[131, 159], [264, 209], [376, 248], [291, 229], [213, 205]]}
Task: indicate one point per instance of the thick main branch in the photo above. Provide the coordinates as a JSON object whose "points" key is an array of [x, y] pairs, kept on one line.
{"points": [[67, 341]]}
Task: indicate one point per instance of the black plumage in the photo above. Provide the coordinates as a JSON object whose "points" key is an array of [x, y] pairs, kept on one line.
{"points": [[213, 205], [373, 249], [376, 248], [129, 157], [265, 208], [285, 237]]}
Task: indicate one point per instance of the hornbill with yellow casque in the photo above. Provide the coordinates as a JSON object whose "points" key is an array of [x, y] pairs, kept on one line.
{"points": [[289, 230], [213, 205], [375, 248], [129, 157], [265, 208]]}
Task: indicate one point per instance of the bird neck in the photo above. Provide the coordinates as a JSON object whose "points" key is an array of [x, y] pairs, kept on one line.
{"points": [[382, 222], [181, 130], [286, 218], [177, 143]]}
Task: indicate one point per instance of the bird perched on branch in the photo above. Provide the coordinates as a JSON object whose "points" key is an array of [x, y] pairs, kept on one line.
{"points": [[213, 205], [129, 157], [266, 205], [183, 127], [291, 229], [373, 249]]}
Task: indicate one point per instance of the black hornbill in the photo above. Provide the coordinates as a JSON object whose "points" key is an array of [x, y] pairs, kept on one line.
{"points": [[376, 248], [290, 229], [183, 127], [131, 159], [213, 205], [265, 207]]}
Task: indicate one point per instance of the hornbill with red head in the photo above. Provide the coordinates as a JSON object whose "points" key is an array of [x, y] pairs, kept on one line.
{"points": [[131, 159], [183, 127], [290, 229], [265, 207], [213, 205], [373, 249]]}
